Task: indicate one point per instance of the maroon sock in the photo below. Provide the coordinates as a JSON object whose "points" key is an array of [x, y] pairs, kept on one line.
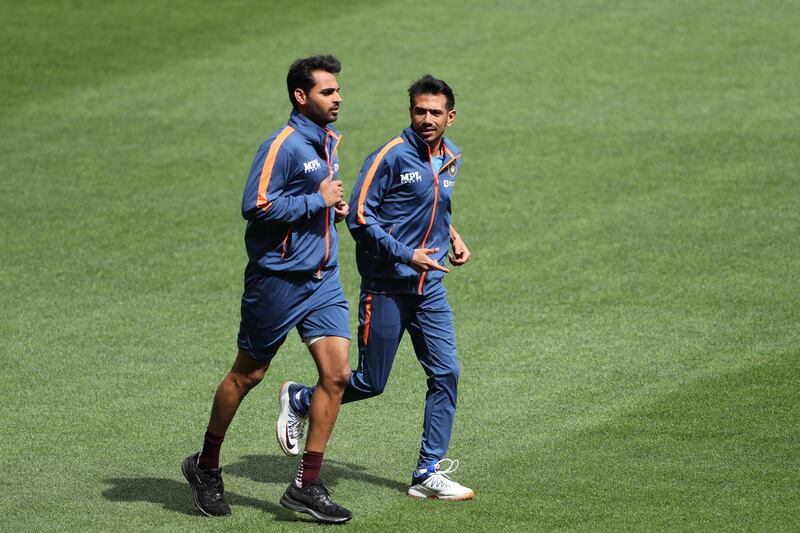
{"points": [[309, 468], [209, 456]]}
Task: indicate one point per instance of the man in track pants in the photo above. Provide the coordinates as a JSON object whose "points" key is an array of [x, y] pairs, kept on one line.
{"points": [[400, 219]]}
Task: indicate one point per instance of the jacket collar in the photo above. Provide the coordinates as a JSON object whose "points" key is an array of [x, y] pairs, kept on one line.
{"points": [[305, 127], [451, 151]]}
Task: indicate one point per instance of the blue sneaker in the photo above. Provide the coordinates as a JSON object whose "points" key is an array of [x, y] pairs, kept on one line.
{"points": [[291, 424]]}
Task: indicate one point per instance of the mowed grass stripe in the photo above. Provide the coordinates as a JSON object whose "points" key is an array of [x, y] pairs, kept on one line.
{"points": [[52, 49]]}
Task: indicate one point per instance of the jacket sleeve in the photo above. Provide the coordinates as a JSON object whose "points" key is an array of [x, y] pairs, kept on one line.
{"points": [[367, 196], [264, 198]]}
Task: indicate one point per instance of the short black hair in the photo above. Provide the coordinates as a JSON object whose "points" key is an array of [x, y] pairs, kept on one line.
{"points": [[300, 73], [427, 84]]}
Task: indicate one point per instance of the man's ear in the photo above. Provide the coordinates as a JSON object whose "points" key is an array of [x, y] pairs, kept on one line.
{"points": [[300, 96], [451, 116]]}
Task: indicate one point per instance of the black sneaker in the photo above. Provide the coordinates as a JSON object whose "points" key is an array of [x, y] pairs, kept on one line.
{"points": [[314, 500], [207, 487]]}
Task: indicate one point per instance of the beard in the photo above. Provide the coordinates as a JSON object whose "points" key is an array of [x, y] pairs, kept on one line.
{"points": [[320, 115]]}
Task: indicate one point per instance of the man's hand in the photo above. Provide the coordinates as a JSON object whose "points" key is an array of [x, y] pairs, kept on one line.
{"points": [[332, 191], [422, 262], [341, 209], [460, 253]]}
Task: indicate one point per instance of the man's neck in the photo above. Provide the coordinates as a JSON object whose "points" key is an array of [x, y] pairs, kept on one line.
{"points": [[436, 148], [323, 125]]}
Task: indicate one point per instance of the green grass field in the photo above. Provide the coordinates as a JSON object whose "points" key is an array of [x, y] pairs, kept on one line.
{"points": [[629, 327]]}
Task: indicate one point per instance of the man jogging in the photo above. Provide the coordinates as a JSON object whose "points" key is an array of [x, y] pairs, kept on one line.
{"points": [[291, 201], [400, 219]]}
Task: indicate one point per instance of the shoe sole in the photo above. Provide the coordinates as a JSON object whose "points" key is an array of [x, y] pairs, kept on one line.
{"points": [[291, 452], [300, 507], [185, 469], [417, 495]]}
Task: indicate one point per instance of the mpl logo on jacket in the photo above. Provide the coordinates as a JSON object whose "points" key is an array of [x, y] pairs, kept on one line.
{"points": [[311, 166], [410, 177]]}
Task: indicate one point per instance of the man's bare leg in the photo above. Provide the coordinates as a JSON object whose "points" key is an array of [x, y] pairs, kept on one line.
{"points": [[331, 357], [333, 367], [245, 374], [307, 493], [202, 469]]}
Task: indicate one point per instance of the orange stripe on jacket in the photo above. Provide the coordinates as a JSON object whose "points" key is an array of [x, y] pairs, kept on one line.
{"points": [[332, 134], [329, 160], [449, 162], [367, 317], [362, 196], [433, 214], [335, 148], [286, 241], [263, 202]]}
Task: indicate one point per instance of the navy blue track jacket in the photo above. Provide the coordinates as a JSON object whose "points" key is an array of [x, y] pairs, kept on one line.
{"points": [[397, 205], [289, 228]]}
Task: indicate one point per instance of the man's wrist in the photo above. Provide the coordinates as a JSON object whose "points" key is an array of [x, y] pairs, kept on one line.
{"points": [[407, 255], [315, 202]]}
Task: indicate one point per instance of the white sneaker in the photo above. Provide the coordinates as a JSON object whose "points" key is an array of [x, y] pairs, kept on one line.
{"points": [[290, 426], [439, 486]]}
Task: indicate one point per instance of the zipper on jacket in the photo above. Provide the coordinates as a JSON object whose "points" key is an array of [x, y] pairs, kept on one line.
{"points": [[433, 213], [329, 161]]}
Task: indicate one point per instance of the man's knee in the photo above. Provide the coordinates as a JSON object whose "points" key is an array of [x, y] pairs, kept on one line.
{"points": [[342, 378], [368, 388], [336, 379], [245, 382], [447, 375], [375, 389], [246, 372]]}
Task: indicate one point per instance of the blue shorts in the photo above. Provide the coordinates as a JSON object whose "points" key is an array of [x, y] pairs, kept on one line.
{"points": [[274, 303]]}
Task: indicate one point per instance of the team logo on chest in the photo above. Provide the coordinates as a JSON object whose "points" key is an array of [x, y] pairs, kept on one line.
{"points": [[410, 177], [311, 166], [452, 170]]}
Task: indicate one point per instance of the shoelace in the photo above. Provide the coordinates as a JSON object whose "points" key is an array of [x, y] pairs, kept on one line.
{"points": [[214, 484], [296, 425], [440, 477], [323, 487], [452, 466]]}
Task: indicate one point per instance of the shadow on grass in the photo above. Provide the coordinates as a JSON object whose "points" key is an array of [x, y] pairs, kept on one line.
{"points": [[177, 497], [274, 469]]}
